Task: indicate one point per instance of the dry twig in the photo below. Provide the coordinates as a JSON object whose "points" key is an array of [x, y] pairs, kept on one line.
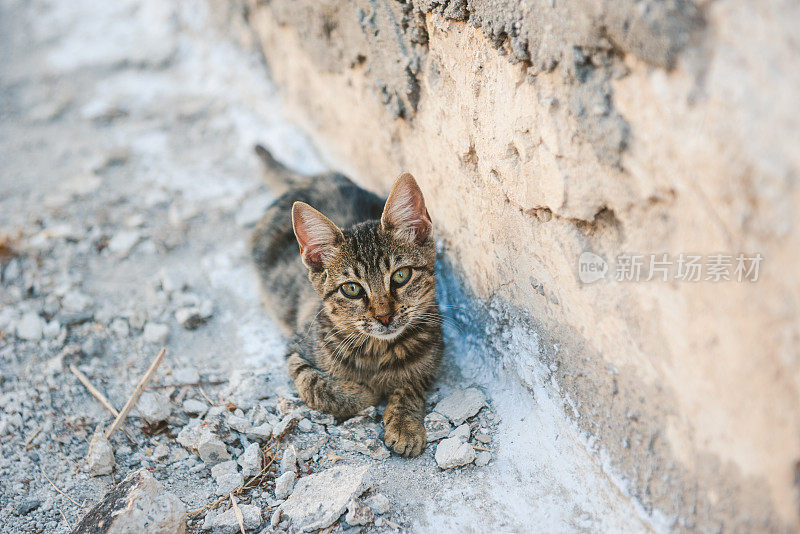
{"points": [[203, 393], [267, 450], [238, 512], [134, 398], [28, 441], [182, 384], [93, 390], [59, 491]]}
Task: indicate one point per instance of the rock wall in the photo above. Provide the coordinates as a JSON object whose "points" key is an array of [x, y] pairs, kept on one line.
{"points": [[540, 131]]}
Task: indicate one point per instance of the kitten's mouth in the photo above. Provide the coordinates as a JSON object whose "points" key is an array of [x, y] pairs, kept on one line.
{"points": [[386, 333]]}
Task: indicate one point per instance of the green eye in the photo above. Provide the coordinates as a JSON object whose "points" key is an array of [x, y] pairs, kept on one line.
{"points": [[351, 290], [401, 276]]}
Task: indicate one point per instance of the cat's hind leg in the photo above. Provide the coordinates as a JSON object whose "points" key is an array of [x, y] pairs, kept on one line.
{"points": [[325, 393]]}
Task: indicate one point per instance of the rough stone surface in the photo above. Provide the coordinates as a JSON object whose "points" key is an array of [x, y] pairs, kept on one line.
{"points": [[319, 499], [483, 458], [261, 432], [227, 523], [153, 406], [461, 432], [461, 405], [358, 513], [228, 482], [156, 333], [212, 450], [379, 503], [437, 426], [371, 447], [250, 460], [289, 460], [30, 327], [100, 456], [195, 406], [137, 504], [284, 484], [453, 452]]}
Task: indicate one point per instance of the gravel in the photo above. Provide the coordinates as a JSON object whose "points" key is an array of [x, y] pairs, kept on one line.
{"points": [[284, 484], [319, 499], [100, 457], [453, 452], [461, 405]]}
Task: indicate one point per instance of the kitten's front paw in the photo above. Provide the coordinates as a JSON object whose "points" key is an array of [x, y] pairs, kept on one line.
{"points": [[405, 436]]}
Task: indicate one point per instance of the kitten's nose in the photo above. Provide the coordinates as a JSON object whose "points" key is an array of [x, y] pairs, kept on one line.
{"points": [[384, 319]]}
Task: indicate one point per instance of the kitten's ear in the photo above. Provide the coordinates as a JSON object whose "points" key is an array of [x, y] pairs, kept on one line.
{"points": [[405, 213], [317, 236]]}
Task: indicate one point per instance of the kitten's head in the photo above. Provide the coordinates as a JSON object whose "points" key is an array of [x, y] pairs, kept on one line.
{"points": [[375, 278]]}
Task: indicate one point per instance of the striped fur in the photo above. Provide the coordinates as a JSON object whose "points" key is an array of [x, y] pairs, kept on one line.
{"points": [[342, 358]]}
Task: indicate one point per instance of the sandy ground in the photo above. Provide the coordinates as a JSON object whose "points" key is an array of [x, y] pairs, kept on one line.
{"points": [[127, 190]]}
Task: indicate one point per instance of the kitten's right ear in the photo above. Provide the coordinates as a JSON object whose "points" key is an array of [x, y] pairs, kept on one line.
{"points": [[317, 236]]}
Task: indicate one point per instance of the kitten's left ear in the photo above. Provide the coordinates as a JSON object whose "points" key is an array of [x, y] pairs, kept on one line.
{"points": [[405, 214]]}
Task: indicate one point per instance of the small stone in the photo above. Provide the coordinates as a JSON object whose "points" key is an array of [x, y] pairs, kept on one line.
{"points": [[287, 405], [75, 301], [261, 432], [321, 418], [52, 329], [123, 242], [30, 327], [289, 460], [369, 446], [161, 452], [227, 522], [185, 375], [319, 499], [284, 426], [228, 482], [437, 426], [27, 507], [452, 452], [379, 503], [304, 425], [461, 405], [93, 347], [137, 318], [194, 407], [284, 485], [192, 317], [212, 450], [153, 406], [483, 458], [156, 333], [250, 460], [358, 513], [137, 504], [224, 468], [239, 424], [275, 519], [119, 327], [259, 414], [101, 456], [461, 432], [483, 437]]}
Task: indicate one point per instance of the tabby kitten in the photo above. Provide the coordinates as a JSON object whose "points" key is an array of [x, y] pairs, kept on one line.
{"points": [[367, 326]]}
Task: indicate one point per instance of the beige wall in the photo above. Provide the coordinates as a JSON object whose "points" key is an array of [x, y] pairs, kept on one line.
{"points": [[692, 389]]}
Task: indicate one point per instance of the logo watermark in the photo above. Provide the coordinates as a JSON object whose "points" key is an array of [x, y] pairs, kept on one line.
{"points": [[663, 267]]}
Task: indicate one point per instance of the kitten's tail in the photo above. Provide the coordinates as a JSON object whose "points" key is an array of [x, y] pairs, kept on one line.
{"points": [[278, 177]]}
